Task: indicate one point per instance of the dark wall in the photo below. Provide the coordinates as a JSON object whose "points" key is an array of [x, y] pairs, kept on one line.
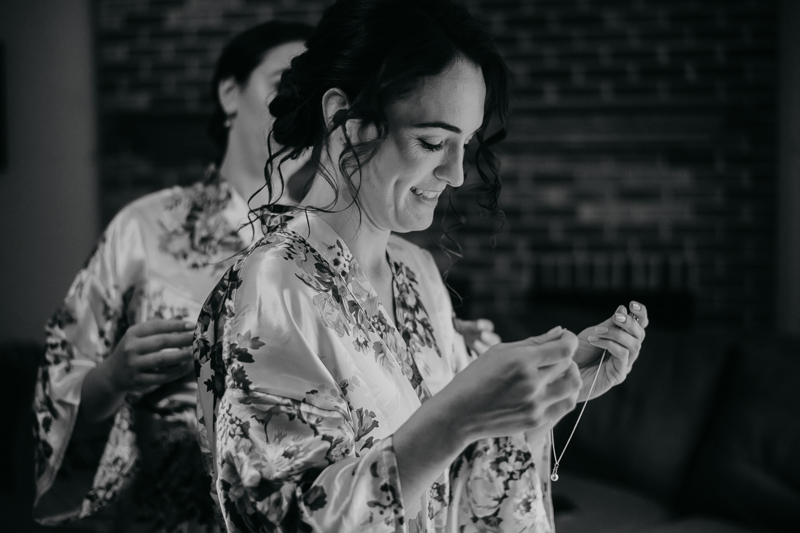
{"points": [[640, 160]]}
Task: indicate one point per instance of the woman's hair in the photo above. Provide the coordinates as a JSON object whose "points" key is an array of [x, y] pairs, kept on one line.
{"points": [[240, 57], [377, 52]]}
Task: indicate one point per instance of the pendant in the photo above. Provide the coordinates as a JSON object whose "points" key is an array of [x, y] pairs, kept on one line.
{"points": [[554, 475]]}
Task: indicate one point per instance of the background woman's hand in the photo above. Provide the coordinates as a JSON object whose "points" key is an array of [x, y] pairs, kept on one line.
{"points": [[150, 354], [478, 334], [513, 387], [622, 336]]}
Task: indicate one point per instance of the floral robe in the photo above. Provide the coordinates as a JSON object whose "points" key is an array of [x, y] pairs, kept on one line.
{"points": [[303, 378], [158, 258]]}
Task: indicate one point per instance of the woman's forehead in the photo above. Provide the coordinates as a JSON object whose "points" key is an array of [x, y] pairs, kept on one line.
{"points": [[277, 59], [456, 97]]}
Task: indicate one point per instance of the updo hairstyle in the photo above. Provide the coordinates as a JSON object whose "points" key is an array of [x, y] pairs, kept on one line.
{"points": [[377, 52]]}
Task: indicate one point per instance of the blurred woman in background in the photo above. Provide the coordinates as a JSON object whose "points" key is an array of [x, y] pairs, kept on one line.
{"points": [[115, 399]]}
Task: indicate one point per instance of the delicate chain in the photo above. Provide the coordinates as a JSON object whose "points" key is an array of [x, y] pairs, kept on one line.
{"points": [[554, 475]]}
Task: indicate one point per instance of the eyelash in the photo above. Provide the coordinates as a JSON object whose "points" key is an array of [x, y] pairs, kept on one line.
{"points": [[435, 147], [431, 147]]}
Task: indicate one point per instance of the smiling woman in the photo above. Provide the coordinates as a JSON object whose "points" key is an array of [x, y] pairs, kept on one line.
{"points": [[335, 391]]}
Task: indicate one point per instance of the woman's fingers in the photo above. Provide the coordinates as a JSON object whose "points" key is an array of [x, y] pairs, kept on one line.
{"points": [[621, 356], [640, 312], [489, 338], [163, 341], [157, 326], [565, 385], [559, 409], [165, 376], [623, 320], [156, 362]]}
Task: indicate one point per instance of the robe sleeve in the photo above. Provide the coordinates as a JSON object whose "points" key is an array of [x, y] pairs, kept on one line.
{"points": [[495, 481], [77, 472], [287, 450]]}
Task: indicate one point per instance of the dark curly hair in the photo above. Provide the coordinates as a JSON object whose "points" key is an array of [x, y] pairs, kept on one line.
{"points": [[240, 57], [377, 52]]}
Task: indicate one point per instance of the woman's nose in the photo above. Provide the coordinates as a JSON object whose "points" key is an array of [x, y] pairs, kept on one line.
{"points": [[451, 169]]}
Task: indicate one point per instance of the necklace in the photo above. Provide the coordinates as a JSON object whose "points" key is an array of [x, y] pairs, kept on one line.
{"points": [[554, 475]]}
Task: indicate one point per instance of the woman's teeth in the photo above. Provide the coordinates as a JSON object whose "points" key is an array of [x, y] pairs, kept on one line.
{"points": [[429, 195]]}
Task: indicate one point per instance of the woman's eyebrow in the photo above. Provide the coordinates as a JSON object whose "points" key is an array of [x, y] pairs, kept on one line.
{"points": [[443, 125]]}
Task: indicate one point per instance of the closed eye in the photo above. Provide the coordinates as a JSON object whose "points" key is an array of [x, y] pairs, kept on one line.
{"points": [[431, 147]]}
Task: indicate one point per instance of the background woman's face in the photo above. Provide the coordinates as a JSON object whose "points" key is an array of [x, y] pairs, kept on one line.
{"points": [[424, 150], [253, 121]]}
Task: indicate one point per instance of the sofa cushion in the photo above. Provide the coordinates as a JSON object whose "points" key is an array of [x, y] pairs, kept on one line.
{"points": [[749, 466], [585, 505], [697, 524], [644, 433]]}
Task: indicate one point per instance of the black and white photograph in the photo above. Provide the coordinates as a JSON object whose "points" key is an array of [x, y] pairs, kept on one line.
{"points": [[400, 266]]}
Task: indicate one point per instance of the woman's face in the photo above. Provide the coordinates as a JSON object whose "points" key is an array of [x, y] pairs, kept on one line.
{"points": [[424, 150], [253, 120]]}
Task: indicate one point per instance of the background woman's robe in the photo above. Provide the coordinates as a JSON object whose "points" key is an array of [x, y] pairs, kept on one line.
{"points": [[158, 258]]}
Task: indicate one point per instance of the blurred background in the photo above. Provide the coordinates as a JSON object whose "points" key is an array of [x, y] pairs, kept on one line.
{"points": [[653, 153]]}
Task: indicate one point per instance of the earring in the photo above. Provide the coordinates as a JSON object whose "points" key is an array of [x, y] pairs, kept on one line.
{"points": [[229, 120]]}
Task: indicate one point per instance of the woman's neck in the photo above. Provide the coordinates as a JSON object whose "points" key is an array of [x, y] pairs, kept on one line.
{"points": [[241, 171], [366, 242]]}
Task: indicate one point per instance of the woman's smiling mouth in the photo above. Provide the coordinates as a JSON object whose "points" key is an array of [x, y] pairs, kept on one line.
{"points": [[428, 195]]}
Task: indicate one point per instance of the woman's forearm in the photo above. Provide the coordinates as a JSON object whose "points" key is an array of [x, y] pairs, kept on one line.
{"points": [[99, 399], [425, 446]]}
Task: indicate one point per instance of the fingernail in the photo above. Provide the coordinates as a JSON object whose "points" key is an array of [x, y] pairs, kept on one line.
{"points": [[620, 317], [621, 310], [189, 325], [593, 338], [636, 306], [556, 329], [601, 329]]}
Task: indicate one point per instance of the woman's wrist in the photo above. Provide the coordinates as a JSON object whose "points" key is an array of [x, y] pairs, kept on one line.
{"points": [[100, 398], [425, 445]]}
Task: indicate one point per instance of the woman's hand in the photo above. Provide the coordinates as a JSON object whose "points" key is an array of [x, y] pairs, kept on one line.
{"points": [[150, 354], [514, 387], [622, 336], [511, 388], [478, 334]]}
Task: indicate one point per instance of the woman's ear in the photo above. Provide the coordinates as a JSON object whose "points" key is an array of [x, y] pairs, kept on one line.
{"points": [[228, 93], [335, 101]]}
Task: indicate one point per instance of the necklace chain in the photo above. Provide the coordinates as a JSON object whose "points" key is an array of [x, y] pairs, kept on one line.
{"points": [[554, 475]]}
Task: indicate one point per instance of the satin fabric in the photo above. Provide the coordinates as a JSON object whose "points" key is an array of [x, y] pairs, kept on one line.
{"points": [[304, 377], [158, 258]]}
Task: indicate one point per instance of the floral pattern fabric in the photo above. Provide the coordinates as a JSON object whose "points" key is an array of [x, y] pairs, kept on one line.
{"points": [[158, 258], [304, 377]]}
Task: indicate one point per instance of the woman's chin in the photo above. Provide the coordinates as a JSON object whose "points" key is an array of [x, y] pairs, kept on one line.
{"points": [[416, 221]]}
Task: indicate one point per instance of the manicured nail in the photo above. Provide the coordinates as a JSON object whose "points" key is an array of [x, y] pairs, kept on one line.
{"points": [[189, 325], [620, 317], [635, 306], [556, 329], [601, 329], [593, 338]]}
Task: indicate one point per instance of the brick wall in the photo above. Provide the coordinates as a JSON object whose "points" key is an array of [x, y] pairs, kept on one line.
{"points": [[640, 160]]}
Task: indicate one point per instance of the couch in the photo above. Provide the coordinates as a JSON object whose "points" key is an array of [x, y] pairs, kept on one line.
{"points": [[703, 437]]}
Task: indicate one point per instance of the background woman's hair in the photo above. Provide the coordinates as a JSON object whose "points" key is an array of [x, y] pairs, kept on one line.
{"points": [[240, 57], [377, 52]]}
